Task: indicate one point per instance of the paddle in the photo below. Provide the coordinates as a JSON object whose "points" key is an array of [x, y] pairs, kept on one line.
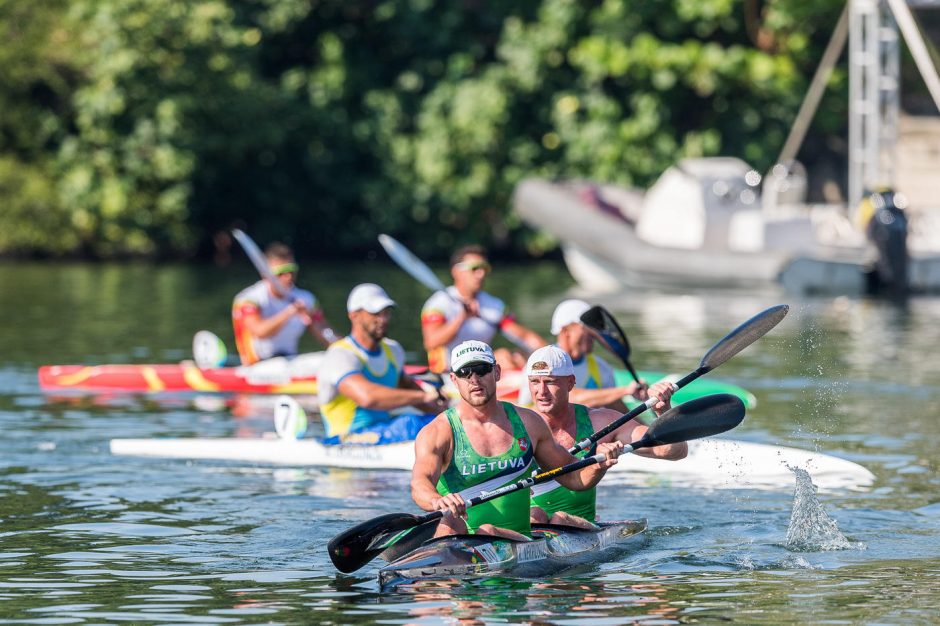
{"points": [[260, 262], [732, 343], [611, 336], [423, 274], [709, 415]]}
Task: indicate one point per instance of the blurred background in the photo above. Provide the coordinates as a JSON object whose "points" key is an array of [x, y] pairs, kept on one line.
{"points": [[149, 128]]}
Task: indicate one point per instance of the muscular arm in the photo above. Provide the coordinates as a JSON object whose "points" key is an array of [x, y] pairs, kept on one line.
{"points": [[611, 398], [370, 395], [433, 449], [550, 455], [633, 431], [438, 331]]}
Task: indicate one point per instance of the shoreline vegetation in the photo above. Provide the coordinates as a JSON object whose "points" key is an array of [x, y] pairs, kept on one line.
{"points": [[151, 128]]}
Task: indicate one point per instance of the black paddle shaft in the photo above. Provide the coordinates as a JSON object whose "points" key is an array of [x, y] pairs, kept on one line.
{"points": [[732, 343]]}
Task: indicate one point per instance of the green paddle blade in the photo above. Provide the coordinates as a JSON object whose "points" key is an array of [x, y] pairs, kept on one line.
{"points": [[697, 418], [743, 336], [356, 546]]}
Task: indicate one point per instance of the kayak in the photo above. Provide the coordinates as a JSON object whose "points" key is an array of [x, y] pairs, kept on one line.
{"points": [[712, 463], [278, 377], [553, 549]]}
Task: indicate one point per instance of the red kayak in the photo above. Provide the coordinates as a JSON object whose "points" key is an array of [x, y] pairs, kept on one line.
{"points": [[186, 377]]}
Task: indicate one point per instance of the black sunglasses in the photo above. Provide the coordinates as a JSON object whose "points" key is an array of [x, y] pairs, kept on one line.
{"points": [[480, 369]]}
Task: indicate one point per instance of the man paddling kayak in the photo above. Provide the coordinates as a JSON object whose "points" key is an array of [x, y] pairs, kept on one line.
{"points": [[483, 444], [269, 319], [594, 377], [464, 311], [551, 378], [362, 379]]}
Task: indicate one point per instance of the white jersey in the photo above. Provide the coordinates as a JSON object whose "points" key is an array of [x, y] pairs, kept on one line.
{"points": [[602, 377], [441, 308], [258, 299]]}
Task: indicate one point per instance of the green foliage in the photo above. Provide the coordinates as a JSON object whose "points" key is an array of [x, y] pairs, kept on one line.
{"points": [[144, 127]]}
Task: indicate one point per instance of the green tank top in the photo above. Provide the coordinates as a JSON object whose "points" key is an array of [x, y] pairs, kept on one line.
{"points": [[470, 473], [552, 497]]}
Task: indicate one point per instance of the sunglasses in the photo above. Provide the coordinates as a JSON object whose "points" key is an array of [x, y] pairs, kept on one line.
{"points": [[285, 268], [480, 369], [473, 266]]}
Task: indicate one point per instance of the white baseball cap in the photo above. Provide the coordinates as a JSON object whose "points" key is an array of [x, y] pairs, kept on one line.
{"points": [[368, 297], [568, 312], [471, 352], [549, 361]]}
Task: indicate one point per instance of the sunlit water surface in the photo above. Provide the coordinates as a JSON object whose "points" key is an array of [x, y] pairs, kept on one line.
{"points": [[88, 538]]}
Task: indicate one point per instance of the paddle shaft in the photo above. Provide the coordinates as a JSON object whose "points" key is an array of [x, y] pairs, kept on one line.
{"points": [[418, 269], [587, 442]]}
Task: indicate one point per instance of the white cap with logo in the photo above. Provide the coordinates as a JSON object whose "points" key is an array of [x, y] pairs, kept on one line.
{"points": [[549, 361], [471, 352], [368, 297], [568, 312]]}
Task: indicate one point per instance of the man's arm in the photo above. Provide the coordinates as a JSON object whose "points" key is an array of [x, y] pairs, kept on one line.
{"points": [[549, 454], [370, 395], [437, 330], [320, 328], [611, 398], [266, 327], [432, 453], [440, 402], [634, 430]]}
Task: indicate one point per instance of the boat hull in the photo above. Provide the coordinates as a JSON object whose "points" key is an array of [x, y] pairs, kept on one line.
{"points": [[711, 463], [603, 251], [553, 549]]}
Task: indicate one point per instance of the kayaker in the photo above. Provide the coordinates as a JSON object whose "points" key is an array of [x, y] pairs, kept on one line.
{"points": [[267, 325], [595, 385], [361, 379], [483, 444], [464, 311], [551, 377]]}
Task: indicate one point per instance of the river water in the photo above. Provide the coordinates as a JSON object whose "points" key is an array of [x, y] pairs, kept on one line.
{"points": [[88, 538]]}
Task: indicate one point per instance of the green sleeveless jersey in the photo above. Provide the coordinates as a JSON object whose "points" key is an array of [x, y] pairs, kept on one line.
{"points": [[552, 497], [471, 473]]}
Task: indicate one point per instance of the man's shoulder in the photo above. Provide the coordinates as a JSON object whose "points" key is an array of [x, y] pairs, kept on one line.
{"points": [[439, 300], [252, 293]]}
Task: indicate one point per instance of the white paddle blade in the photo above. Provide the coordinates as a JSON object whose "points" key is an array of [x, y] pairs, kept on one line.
{"points": [[290, 419], [410, 263], [208, 350], [257, 258]]}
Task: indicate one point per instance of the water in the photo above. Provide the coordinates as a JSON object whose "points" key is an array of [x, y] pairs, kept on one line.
{"points": [[87, 538]]}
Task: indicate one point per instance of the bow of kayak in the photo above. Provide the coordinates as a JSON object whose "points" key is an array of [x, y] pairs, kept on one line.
{"points": [[553, 549]]}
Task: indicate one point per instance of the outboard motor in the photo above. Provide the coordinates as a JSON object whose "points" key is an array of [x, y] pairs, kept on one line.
{"points": [[886, 227]]}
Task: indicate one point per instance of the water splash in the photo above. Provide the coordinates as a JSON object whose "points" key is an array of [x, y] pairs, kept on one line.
{"points": [[811, 529]]}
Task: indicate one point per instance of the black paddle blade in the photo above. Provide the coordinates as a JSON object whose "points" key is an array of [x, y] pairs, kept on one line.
{"points": [[605, 328], [702, 417], [356, 546], [743, 336]]}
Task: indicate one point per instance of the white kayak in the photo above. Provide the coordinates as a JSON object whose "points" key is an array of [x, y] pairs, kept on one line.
{"points": [[711, 463]]}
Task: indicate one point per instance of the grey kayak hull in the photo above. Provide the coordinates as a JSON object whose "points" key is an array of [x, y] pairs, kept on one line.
{"points": [[553, 549]]}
